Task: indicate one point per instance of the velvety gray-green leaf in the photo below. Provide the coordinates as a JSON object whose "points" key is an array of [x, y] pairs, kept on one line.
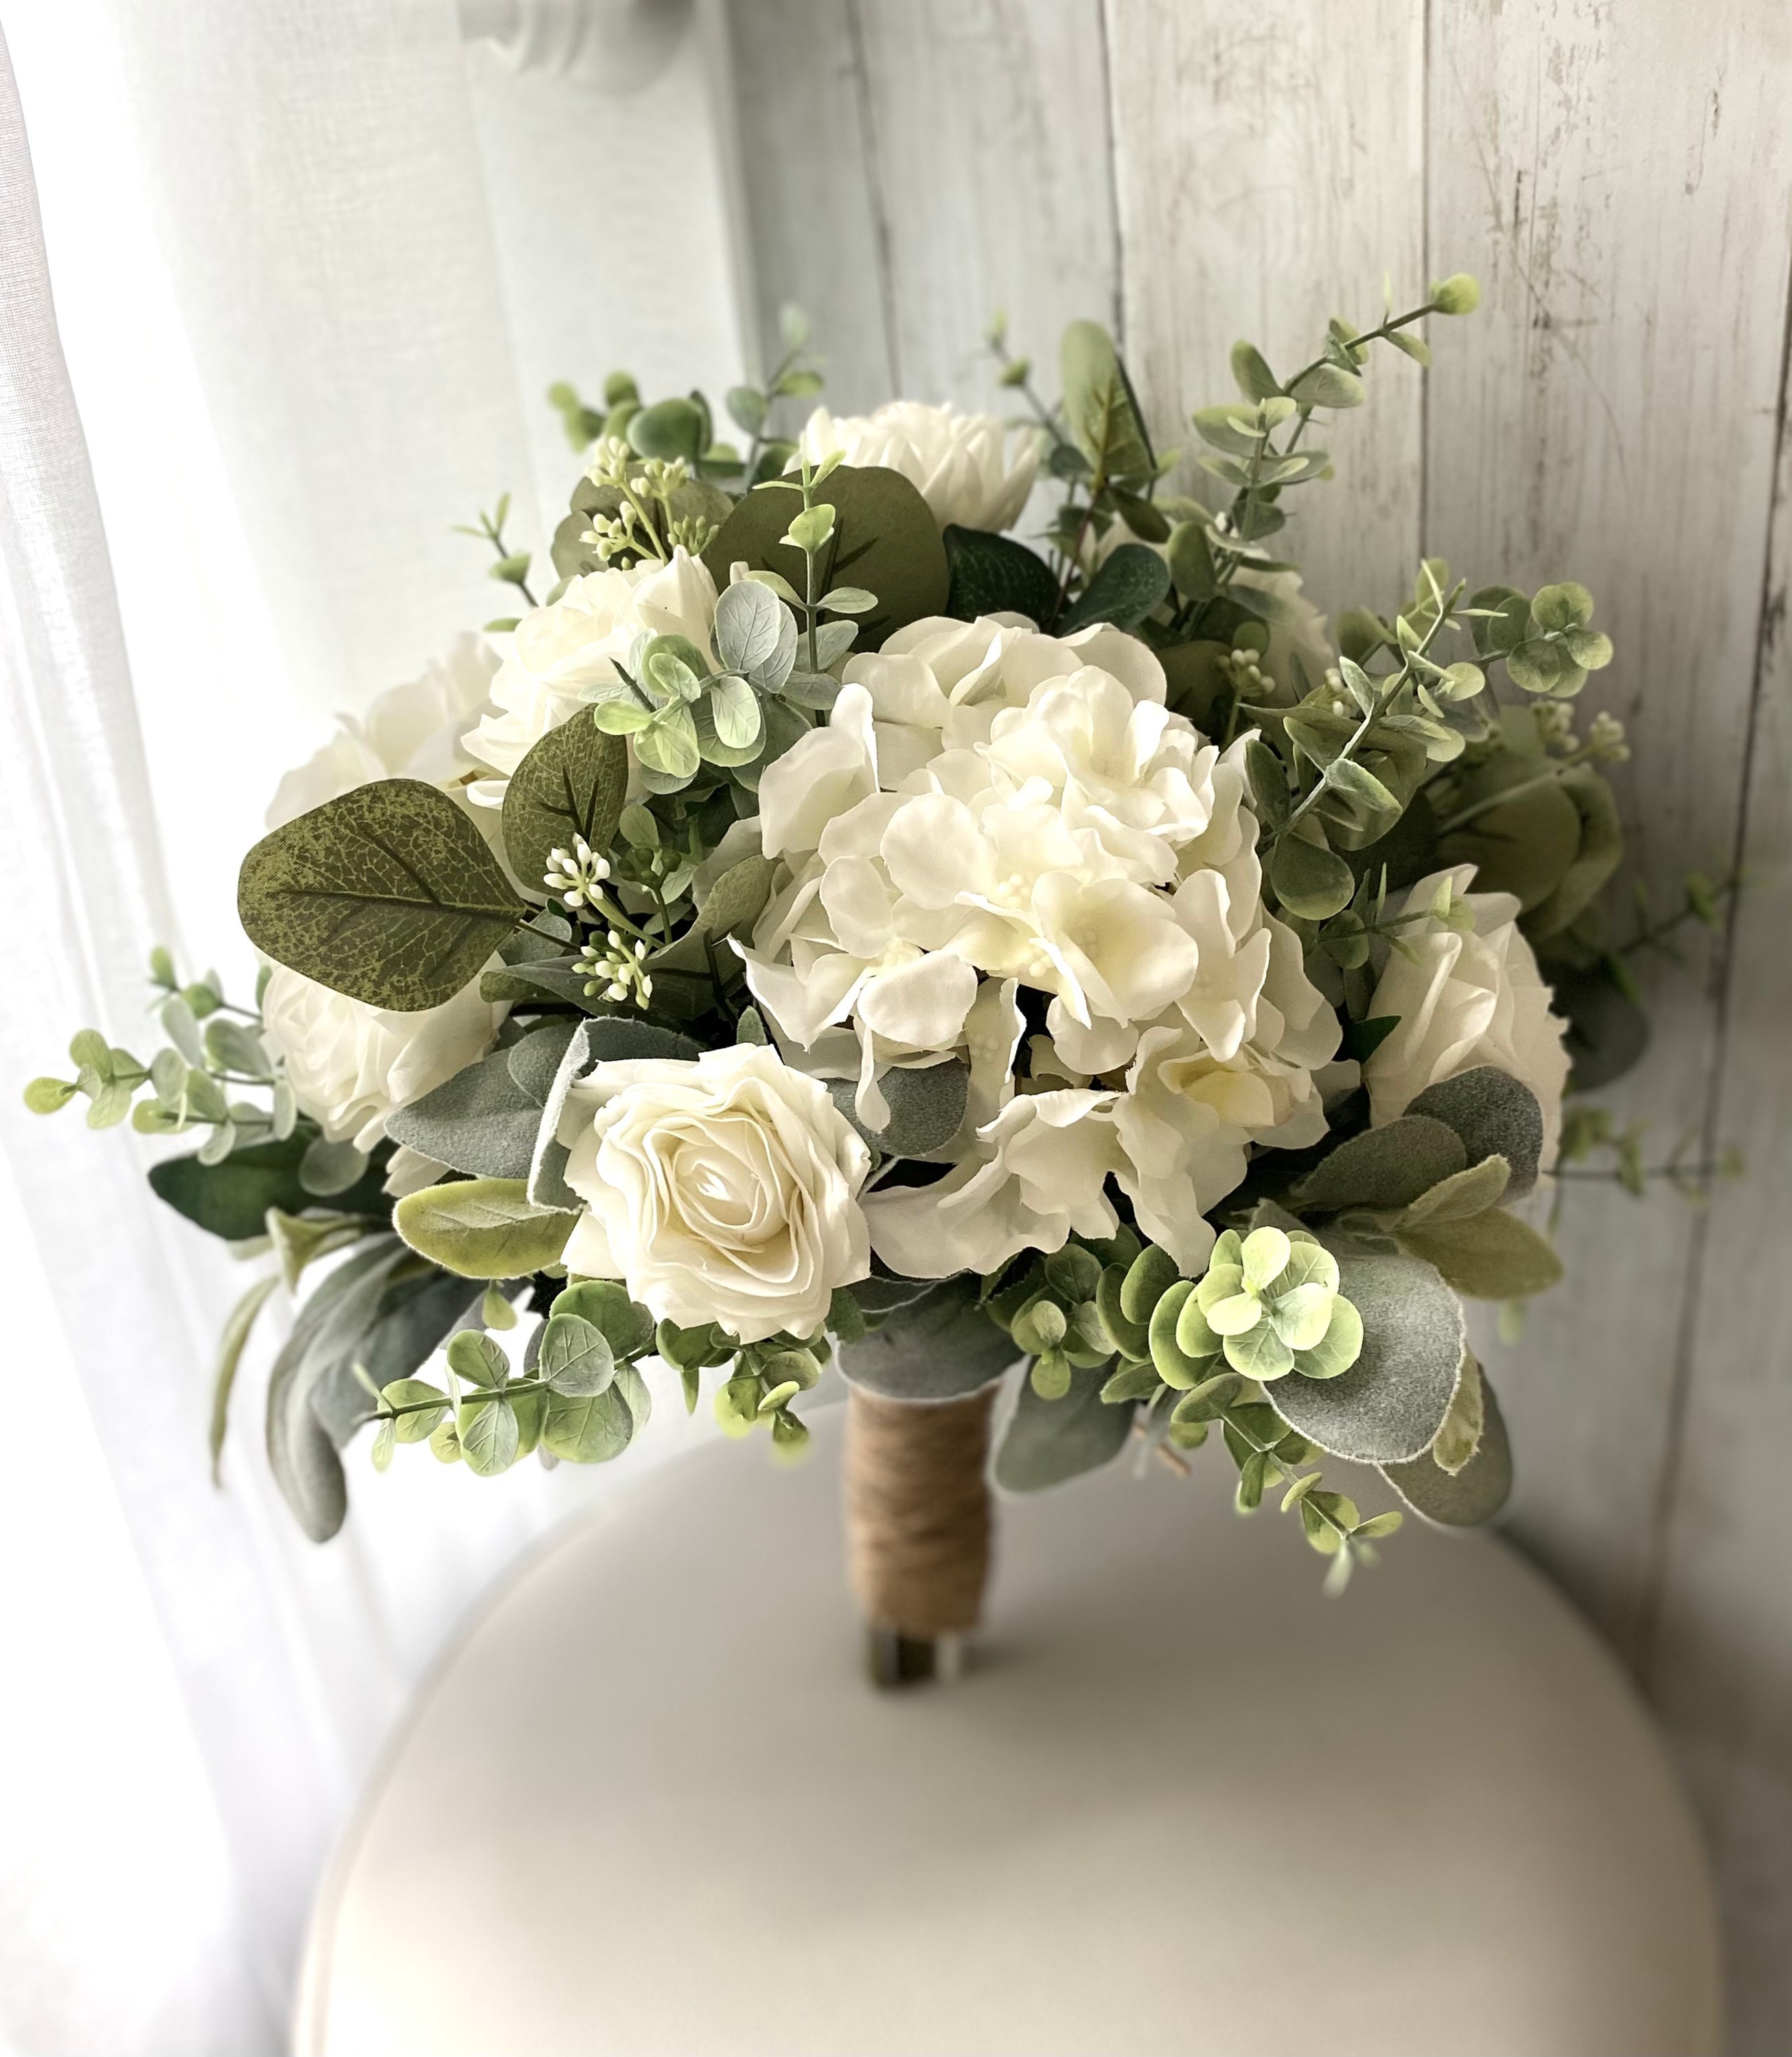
{"points": [[1048, 1441], [1495, 1114], [480, 1121], [926, 1107], [938, 1347], [1384, 1168], [1389, 1406], [1467, 1498]]}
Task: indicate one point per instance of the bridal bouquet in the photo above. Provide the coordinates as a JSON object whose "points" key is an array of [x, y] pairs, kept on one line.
{"points": [[926, 892]]}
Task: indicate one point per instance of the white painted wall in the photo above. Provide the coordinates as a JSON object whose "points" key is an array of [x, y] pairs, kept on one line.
{"points": [[1620, 179]]}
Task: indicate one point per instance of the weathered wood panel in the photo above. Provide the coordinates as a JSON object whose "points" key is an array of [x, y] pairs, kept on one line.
{"points": [[911, 166], [1269, 161], [1622, 194], [1719, 1658]]}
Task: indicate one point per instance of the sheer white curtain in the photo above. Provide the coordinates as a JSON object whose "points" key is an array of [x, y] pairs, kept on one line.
{"points": [[312, 266]]}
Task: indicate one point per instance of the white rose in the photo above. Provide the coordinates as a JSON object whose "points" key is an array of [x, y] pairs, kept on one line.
{"points": [[1464, 999], [724, 1190], [413, 731], [970, 469], [558, 653], [1036, 1179], [350, 1064]]}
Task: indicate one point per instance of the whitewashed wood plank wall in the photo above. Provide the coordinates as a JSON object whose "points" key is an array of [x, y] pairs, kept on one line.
{"points": [[1620, 179]]}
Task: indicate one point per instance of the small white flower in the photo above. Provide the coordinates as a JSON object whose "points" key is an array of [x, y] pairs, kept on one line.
{"points": [[575, 874], [970, 469], [724, 1190]]}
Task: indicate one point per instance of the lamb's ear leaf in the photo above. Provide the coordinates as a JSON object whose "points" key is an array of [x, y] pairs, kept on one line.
{"points": [[1492, 1255], [996, 575], [1391, 1401], [388, 894], [1384, 1168], [1467, 1498], [885, 539], [926, 1107], [573, 782], [481, 1121], [482, 1228], [1495, 1114], [939, 1347], [1048, 1441], [301, 1445]]}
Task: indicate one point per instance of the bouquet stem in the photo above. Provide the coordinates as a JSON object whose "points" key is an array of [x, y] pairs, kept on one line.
{"points": [[918, 1522]]}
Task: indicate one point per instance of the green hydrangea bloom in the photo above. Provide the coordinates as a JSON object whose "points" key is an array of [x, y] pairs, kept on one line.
{"points": [[1270, 1303]]}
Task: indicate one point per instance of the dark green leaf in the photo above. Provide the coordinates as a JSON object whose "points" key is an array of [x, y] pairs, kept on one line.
{"points": [[388, 894], [231, 1199], [995, 575], [1133, 582], [885, 538], [572, 782]]}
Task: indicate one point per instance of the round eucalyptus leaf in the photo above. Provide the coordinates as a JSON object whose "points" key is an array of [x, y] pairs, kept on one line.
{"points": [[885, 539], [1467, 1498]]}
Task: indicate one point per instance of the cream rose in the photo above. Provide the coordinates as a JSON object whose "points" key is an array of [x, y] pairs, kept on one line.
{"points": [[970, 469], [350, 1064], [724, 1190], [1466, 996], [413, 731], [558, 653]]}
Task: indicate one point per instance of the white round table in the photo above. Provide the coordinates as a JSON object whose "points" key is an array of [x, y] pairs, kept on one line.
{"points": [[1181, 1803]]}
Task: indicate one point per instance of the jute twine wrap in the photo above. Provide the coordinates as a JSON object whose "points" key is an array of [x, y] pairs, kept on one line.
{"points": [[918, 1510]]}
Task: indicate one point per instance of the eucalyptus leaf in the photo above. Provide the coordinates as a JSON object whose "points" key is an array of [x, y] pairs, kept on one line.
{"points": [[755, 634], [587, 1428], [885, 538], [1391, 1401], [571, 782], [995, 575], [1133, 582], [388, 894], [576, 1358], [1467, 1498], [1309, 880]]}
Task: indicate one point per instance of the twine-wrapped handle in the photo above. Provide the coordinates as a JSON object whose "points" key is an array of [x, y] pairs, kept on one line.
{"points": [[919, 1521]]}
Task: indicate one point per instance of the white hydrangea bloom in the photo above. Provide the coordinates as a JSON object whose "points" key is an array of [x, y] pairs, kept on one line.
{"points": [[970, 469]]}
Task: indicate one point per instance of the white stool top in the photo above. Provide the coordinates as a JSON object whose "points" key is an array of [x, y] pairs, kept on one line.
{"points": [[1182, 1802]]}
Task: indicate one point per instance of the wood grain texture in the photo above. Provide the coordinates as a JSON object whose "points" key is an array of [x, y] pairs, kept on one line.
{"points": [[955, 163], [1607, 416], [989, 121], [1718, 1659], [1268, 163], [809, 204]]}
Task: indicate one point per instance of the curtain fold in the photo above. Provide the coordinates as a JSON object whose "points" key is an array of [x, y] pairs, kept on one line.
{"points": [[271, 235]]}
